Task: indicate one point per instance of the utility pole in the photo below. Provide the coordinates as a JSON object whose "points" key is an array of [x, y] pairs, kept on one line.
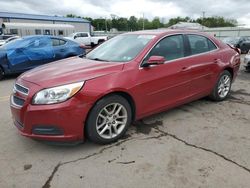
{"points": [[106, 27], [203, 17], [143, 21], [203, 14]]}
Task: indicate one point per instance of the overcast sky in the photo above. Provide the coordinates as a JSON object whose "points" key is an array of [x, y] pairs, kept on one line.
{"points": [[166, 9]]}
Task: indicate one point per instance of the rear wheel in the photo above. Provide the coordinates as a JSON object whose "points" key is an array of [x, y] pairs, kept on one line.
{"points": [[1, 73], [222, 87], [109, 119]]}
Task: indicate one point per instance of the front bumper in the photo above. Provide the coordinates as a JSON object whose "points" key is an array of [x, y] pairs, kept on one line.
{"points": [[63, 122]]}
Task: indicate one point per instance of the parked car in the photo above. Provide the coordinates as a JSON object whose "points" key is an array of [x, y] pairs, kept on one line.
{"points": [[29, 52], [243, 43], [129, 77], [3, 38], [8, 40], [86, 39], [247, 62]]}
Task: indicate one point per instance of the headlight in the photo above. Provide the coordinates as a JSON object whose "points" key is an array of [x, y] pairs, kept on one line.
{"points": [[57, 94]]}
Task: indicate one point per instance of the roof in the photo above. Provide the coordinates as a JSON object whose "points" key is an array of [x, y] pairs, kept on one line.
{"points": [[41, 17], [37, 26], [188, 25]]}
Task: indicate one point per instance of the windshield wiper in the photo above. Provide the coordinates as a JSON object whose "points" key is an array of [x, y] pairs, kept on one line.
{"points": [[82, 55], [98, 59]]}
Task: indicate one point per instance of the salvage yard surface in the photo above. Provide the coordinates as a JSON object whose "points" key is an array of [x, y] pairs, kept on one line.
{"points": [[200, 144]]}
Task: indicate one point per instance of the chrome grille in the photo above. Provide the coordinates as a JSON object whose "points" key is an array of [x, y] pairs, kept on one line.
{"points": [[18, 101], [21, 89]]}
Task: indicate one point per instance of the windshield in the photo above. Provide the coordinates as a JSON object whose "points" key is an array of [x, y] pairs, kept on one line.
{"points": [[121, 48]]}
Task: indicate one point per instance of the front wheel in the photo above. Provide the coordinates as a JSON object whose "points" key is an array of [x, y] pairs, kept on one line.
{"points": [[222, 87], [108, 120]]}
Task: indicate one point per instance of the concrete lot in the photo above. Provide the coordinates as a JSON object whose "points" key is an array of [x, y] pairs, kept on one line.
{"points": [[200, 144]]}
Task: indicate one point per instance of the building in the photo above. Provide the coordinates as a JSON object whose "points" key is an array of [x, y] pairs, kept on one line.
{"points": [[223, 32], [188, 25], [31, 24], [219, 32]]}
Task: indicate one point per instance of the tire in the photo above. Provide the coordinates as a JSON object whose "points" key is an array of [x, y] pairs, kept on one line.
{"points": [[1, 73], [108, 120], [223, 87]]}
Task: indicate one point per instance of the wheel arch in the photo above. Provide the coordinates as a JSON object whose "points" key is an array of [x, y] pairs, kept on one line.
{"points": [[125, 95], [230, 70]]}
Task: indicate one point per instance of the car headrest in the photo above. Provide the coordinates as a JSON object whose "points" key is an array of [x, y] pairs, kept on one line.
{"points": [[200, 44]]}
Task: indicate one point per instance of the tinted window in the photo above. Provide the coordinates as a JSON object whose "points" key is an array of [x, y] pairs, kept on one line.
{"points": [[200, 44], [170, 47], [39, 43], [211, 45], [62, 42], [84, 35], [55, 42], [58, 42]]}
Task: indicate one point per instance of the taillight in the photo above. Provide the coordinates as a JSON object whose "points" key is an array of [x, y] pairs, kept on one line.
{"points": [[238, 50], [84, 47]]}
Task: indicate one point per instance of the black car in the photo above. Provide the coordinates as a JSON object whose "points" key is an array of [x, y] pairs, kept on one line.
{"points": [[243, 43]]}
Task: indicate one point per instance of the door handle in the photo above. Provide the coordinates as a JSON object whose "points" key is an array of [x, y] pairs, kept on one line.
{"points": [[184, 69]]}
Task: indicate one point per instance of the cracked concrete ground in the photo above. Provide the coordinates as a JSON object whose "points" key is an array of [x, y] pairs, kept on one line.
{"points": [[200, 144]]}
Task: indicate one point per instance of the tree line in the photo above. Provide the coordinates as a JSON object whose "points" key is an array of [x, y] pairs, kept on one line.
{"points": [[133, 24]]}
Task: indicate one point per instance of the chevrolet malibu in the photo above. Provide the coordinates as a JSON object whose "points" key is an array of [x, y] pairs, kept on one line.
{"points": [[125, 79]]}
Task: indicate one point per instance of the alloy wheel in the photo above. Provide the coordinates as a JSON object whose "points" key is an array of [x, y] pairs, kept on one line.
{"points": [[224, 86], [111, 120]]}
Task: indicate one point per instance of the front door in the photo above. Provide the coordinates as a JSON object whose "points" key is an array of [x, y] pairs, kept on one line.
{"points": [[168, 84]]}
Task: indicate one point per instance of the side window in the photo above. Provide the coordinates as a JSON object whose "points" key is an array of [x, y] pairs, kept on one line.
{"points": [[55, 42], [62, 42], [84, 35], [58, 42], [211, 45], [78, 35], [200, 44], [171, 48], [38, 43]]}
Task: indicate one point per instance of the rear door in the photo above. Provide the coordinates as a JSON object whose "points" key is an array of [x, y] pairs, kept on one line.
{"points": [[59, 48], [202, 63], [167, 84]]}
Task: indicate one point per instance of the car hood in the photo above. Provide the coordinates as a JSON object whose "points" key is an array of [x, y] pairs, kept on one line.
{"points": [[70, 70]]}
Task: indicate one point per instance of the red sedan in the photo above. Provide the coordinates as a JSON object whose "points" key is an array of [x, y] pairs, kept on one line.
{"points": [[125, 79]]}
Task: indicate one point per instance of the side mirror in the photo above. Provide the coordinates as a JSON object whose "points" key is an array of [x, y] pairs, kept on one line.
{"points": [[154, 60]]}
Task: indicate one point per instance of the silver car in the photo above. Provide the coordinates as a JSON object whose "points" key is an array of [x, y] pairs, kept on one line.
{"points": [[247, 61]]}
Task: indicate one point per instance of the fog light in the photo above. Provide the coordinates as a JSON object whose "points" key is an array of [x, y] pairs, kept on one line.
{"points": [[47, 130]]}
